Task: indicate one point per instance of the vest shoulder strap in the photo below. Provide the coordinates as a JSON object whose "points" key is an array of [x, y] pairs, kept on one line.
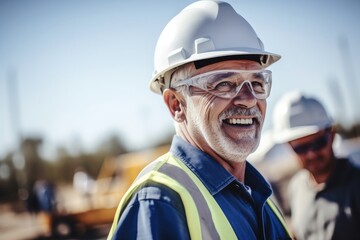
{"points": [[202, 211]]}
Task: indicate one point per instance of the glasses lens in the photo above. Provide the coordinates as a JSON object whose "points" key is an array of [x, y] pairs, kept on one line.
{"points": [[315, 145], [228, 83]]}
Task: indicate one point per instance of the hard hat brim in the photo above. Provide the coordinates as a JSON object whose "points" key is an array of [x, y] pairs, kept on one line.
{"points": [[291, 134]]}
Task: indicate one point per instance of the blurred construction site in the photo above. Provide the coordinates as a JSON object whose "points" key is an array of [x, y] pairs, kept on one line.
{"points": [[82, 210], [84, 207]]}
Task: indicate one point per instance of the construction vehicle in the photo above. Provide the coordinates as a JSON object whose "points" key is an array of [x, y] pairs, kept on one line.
{"points": [[78, 213]]}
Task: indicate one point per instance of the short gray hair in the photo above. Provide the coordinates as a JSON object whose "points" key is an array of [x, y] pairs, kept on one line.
{"points": [[184, 72]]}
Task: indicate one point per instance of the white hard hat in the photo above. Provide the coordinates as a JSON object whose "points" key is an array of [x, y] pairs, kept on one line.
{"points": [[205, 29], [296, 116]]}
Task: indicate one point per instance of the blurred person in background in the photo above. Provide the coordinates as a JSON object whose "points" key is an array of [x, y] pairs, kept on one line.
{"points": [[210, 69], [324, 196], [46, 201], [84, 183]]}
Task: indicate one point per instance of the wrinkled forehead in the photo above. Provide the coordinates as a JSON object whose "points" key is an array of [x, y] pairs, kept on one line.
{"points": [[230, 64], [189, 70]]}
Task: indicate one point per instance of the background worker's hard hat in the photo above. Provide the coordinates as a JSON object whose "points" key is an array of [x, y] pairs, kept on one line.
{"points": [[203, 30], [296, 116]]}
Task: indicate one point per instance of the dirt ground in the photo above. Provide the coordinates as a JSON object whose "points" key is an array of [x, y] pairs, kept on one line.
{"points": [[19, 226], [25, 226]]}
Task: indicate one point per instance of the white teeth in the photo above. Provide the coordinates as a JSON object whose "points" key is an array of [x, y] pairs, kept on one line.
{"points": [[240, 121]]}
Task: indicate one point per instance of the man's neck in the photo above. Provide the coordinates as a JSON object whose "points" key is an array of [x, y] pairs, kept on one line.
{"points": [[319, 179], [236, 169]]}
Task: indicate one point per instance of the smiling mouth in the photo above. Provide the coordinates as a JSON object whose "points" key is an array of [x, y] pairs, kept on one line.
{"points": [[239, 121]]}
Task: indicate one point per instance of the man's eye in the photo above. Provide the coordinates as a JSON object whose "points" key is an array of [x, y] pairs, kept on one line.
{"points": [[259, 76], [258, 86], [224, 86]]}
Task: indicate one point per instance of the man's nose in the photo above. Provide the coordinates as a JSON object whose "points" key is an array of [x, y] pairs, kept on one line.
{"points": [[245, 96]]}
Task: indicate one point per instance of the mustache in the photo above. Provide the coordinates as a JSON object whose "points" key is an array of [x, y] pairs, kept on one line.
{"points": [[254, 111]]}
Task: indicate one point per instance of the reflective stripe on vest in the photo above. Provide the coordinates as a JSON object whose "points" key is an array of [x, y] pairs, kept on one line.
{"points": [[201, 209]]}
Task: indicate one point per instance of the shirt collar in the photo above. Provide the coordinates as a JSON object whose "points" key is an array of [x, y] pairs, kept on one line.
{"points": [[205, 168]]}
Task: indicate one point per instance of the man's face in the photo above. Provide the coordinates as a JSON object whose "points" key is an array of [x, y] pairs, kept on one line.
{"points": [[229, 128], [315, 152]]}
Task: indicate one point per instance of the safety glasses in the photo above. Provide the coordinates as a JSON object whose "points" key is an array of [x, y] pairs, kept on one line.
{"points": [[228, 83], [315, 145]]}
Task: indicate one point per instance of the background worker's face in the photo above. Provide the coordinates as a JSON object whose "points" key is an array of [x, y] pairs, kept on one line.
{"points": [[316, 154], [211, 121]]}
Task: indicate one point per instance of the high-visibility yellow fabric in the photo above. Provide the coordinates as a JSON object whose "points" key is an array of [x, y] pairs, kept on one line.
{"points": [[223, 227]]}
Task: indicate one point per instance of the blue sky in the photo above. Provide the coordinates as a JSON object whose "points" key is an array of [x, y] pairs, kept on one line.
{"points": [[82, 67]]}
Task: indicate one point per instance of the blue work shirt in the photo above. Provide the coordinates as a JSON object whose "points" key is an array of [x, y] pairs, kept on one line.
{"points": [[157, 212]]}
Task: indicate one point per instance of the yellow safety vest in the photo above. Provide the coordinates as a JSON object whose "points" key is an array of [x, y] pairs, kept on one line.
{"points": [[197, 200]]}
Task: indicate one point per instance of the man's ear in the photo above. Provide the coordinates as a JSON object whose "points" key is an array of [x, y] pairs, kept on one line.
{"points": [[174, 104]]}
